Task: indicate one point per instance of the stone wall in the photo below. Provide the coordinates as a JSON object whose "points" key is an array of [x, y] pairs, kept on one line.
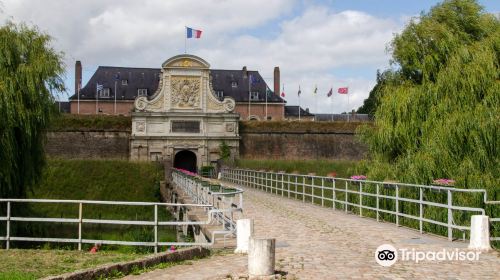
{"points": [[299, 145], [88, 144]]}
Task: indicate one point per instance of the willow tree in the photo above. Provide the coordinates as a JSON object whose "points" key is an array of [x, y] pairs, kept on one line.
{"points": [[439, 116], [30, 71]]}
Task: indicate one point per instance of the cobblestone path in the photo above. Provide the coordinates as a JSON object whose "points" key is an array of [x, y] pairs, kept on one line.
{"points": [[313, 242]]}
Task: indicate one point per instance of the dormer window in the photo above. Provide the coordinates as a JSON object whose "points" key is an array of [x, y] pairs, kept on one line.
{"points": [[142, 92], [254, 95], [219, 94], [234, 84], [124, 82], [104, 93]]}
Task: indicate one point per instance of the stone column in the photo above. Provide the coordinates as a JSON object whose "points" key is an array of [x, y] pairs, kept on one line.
{"points": [[261, 257], [479, 233]]}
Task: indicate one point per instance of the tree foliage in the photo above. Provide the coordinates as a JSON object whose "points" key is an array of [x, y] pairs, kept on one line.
{"points": [[439, 117], [30, 70]]}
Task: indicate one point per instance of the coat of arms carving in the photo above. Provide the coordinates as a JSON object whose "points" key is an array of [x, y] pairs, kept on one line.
{"points": [[185, 92]]}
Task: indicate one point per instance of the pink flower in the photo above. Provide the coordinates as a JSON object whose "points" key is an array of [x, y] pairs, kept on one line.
{"points": [[358, 177]]}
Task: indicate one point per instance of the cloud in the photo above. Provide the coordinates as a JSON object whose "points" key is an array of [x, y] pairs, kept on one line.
{"points": [[311, 46]]}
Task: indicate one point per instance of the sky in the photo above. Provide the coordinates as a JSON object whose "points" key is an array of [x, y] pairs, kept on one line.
{"points": [[328, 44]]}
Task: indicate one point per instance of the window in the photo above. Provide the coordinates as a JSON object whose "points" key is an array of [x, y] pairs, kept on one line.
{"points": [[104, 93], [124, 82], [142, 92], [234, 84], [219, 94], [186, 126], [254, 95]]}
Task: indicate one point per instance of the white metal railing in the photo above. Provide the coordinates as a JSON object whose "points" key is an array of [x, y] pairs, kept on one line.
{"points": [[217, 205], [395, 199]]}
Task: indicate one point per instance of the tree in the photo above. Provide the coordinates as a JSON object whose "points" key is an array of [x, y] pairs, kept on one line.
{"points": [[440, 117], [30, 71], [371, 103]]}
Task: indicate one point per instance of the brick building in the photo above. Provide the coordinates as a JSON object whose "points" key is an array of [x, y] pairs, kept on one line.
{"points": [[122, 85]]}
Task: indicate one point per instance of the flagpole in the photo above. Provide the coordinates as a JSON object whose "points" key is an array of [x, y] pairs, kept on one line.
{"points": [[115, 96], [348, 107], [331, 101], [266, 102], [316, 97], [79, 98], [249, 90], [96, 100], [299, 103], [185, 38]]}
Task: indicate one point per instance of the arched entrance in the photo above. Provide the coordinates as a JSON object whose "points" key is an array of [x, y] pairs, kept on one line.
{"points": [[185, 160]]}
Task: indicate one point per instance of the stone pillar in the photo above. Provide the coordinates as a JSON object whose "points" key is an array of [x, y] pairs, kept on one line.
{"points": [[479, 233], [261, 257], [244, 231]]}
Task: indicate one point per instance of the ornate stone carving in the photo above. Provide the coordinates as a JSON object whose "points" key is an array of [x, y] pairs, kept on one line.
{"points": [[229, 127], [185, 92], [140, 126]]}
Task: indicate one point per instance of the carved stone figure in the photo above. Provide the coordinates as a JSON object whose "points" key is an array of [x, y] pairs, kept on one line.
{"points": [[185, 92]]}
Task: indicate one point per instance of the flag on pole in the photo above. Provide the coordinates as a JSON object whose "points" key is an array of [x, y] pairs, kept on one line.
{"points": [[315, 89], [299, 92], [99, 87], [193, 33], [253, 79], [330, 92], [283, 92], [343, 90]]}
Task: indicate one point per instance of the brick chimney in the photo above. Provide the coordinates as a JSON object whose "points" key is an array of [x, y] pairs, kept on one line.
{"points": [[245, 72], [277, 80], [78, 76]]}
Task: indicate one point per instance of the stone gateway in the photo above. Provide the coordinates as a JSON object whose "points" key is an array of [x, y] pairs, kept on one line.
{"points": [[183, 122]]}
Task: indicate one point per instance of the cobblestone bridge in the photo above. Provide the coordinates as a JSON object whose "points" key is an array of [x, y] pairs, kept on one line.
{"points": [[313, 242]]}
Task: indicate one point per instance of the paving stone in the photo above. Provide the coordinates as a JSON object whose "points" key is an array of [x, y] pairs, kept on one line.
{"points": [[323, 243]]}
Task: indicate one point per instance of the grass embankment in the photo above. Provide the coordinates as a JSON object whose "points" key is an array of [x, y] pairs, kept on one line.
{"points": [[70, 122], [113, 180], [296, 126], [35, 264], [321, 167]]}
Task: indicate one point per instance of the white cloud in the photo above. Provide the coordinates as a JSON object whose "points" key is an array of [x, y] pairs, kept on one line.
{"points": [[309, 46]]}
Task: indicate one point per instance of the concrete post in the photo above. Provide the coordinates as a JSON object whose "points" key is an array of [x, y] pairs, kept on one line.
{"points": [[244, 230], [261, 257], [479, 233]]}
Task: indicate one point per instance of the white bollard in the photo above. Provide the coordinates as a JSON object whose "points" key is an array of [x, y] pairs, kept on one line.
{"points": [[261, 254], [244, 230], [479, 233], [219, 176]]}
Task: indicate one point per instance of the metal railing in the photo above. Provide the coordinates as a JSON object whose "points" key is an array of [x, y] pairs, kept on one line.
{"points": [[217, 205], [430, 206]]}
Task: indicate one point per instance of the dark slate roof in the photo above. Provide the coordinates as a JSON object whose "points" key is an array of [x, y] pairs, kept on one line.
{"points": [[343, 117], [149, 78], [293, 111]]}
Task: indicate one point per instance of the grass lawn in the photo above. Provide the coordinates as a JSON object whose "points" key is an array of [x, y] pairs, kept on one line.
{"points": [[115, 180], [35, 264], [343, 168]]}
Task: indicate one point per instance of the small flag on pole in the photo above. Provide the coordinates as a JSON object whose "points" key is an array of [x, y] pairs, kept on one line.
{"points": [[299, 92], [193, 33], [315, 89], [99, 87], [343, 90], [253, 79], [330, 92], [283, 92]]}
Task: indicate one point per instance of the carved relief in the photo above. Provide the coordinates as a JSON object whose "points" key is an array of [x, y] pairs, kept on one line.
{"points": [[140, 126], [229, 127], [185, 92]]}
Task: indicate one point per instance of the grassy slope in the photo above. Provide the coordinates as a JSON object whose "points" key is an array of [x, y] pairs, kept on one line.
{"points": [[343, 168], [34, 264]]}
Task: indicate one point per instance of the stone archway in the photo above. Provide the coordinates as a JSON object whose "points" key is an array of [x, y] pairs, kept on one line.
{"points": [[185, 160]]}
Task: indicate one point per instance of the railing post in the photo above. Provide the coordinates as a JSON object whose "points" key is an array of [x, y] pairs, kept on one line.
{"points": [[377, 197], [7, 243], [156, 228], [288, 184], [296, 185], [450, 216], [323, 192], [345, 196], [312, 190], [421, 211], [282, 184], [80, 218], [333, 195], [397, 205], [303, 189], [360, 199]]}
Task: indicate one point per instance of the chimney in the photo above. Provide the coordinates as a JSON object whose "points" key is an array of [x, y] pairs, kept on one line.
{"points": [[277, 80], [245, 73], [78, 76]]}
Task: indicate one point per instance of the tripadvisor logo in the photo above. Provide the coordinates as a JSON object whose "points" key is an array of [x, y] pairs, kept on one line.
{"points": [[387, 255]]}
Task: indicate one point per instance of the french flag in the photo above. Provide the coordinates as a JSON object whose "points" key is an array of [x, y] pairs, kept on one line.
{"points": [[193, 33]]}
